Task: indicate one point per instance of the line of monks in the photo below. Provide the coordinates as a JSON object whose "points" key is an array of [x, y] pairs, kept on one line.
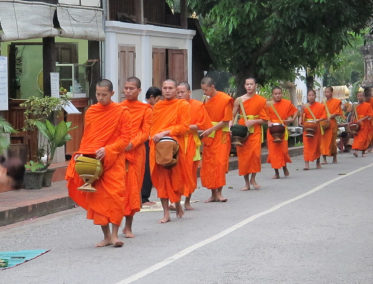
{"points": [[115, 133]]}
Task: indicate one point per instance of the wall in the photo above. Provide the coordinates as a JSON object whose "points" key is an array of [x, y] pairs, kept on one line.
{"points": [[144, 38]]}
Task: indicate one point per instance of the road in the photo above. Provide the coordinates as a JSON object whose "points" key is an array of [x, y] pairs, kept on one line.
{"points": [[312, 227]]}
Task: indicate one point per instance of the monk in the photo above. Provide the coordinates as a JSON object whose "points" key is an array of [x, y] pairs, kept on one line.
{"points": [[216, 140], [249, 154], [286, 112], [191, 142], [171, 117], [107, 131], [152, 96], [328, 144], [315, 112], [141, 117], [369, 99], [364, 113]]}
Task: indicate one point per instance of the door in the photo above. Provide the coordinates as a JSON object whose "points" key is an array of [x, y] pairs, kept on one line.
{"points": [[126, 66]]}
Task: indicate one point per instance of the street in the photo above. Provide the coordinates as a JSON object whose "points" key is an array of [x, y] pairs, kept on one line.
{"points": [[312, 227]]}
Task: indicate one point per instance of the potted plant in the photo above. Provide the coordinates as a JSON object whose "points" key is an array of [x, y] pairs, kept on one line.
{"points": [[39, 110], [56, 136], [5, 130], [33, 178]]}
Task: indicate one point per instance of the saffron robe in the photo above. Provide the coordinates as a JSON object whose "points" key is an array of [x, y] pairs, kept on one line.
{"points": [[191, 143], [215, 156], [141, 117], [172, 115], [311, 145], [328, 144], [361, 140], [249, 154], [110, 127], [278, 153]]}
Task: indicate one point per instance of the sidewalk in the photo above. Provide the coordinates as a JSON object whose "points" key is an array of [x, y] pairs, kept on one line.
{"points": [[24, 204]]}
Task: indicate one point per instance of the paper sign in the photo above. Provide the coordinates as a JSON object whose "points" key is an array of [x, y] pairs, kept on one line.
{"points": [[55, 84], [3, 83], [71, 109]]}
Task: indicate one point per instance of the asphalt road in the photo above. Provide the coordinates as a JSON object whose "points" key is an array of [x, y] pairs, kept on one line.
{"points": [[312, 227]]}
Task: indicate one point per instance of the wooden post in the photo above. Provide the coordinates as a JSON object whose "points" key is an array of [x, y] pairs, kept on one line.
{"points": [[139, 11], [49, 63], [94, 71], [183, 14]]}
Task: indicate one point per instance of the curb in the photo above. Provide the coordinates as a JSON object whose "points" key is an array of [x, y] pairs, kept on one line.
{"points": [[56, 203]]}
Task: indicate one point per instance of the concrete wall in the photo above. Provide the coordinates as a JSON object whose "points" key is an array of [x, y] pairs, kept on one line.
{"points": [[143, 38]]}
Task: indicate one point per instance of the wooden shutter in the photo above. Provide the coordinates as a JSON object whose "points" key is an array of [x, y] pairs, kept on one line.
{"points": [[178, 64], [159, 67], [126, 66]]}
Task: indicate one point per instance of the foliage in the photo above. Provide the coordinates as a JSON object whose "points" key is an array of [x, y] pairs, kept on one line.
{"points": [[270, 39], [56, 136], [347, 67], [266, 90], [40, 109], [5, 127], [34, 166]]}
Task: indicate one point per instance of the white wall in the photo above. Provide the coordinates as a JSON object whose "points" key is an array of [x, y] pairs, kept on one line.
{"points": [[143, 38]]}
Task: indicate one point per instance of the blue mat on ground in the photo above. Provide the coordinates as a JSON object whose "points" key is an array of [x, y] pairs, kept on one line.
{"points": [[9, 259]]}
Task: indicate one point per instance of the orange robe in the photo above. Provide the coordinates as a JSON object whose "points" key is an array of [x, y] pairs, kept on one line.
{"points": [[311, 149], [278, 153], [371, 124], [110, 127], [172, 115], [328, 144], [215, 157], [249, 154], [191, 143], [141, 117], [361, 140]]}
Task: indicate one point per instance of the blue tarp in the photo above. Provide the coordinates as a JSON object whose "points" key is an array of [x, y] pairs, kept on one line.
{"points": [[18, 257]]}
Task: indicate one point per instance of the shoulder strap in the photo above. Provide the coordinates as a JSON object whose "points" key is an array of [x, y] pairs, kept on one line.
{"points": [[276, 113], [326, 108], [307, 106]]}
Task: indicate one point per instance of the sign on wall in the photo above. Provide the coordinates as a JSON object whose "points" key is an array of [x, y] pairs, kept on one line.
{"points": [[3, 83]]}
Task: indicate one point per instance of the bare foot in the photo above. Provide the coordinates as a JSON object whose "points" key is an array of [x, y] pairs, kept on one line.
{"points": [[222, 199], [286, 172], [318, 166], [324, 163], [306, 169], [188, 207], [104, 243], [172, 207], [355, 154], [128, 233], [276, 177], [335, 161], [255, 185], [149, 203], [118, 244], [211, 199], [179, 210], [245, 188], [164, 220]]}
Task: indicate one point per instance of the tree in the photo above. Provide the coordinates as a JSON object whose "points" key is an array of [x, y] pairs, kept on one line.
{"points": [[270, 39]]}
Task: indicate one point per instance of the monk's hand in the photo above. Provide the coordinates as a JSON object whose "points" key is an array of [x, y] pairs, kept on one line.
{"points": [[77, 156], [193, 127], [100, 153], [159, 136], [270, 123], [129, 147], [207, 132], [250, 123]]}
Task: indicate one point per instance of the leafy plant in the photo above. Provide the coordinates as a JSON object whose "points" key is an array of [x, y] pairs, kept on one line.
{"points": [[34, 166], [40, 109], [56, 135], [5, 127]]}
